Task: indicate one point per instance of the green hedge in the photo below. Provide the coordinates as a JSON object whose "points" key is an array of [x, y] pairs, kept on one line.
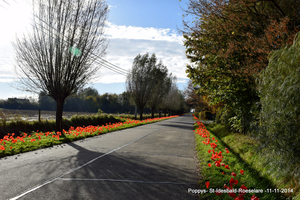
{"points": [[17, 126]]}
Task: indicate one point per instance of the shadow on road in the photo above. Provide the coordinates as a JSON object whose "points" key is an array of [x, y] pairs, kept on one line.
{"points": [[129, 174], [186, 122], [124, 176]]}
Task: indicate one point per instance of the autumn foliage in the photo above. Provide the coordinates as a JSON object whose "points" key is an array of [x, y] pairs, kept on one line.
{"points": [[228, 45]]}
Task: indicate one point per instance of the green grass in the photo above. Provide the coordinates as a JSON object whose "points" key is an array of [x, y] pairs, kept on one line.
{"points": [[247, 149], [242, 155], [11, 144]]}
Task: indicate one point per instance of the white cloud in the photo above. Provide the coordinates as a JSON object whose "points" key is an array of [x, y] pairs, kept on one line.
{"points": [[126, 42], [111, 6], [15, 19], [7, 80], [140, 33]]}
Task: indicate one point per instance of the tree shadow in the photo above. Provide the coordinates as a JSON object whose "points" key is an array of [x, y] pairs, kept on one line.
{"points": [[121, 175], [186, 122]]}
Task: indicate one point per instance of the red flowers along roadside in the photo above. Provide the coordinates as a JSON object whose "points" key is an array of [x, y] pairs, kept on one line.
{"points": [[217, 157], [11, 143]]}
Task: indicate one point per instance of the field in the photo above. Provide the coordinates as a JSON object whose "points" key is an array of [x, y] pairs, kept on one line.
{"points": [[33, 115]]}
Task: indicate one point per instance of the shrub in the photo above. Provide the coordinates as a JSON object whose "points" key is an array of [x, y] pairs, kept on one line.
{"points": [[19, 125], [280, 114]]}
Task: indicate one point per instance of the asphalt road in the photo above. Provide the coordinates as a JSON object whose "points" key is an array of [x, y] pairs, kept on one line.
{"points": [[153, 161]]}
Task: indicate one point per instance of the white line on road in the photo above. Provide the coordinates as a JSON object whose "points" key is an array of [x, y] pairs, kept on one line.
{"points": [[118, 180], [77, 168]]}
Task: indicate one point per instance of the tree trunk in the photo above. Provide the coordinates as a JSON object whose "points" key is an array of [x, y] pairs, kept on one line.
{"points": [[59, 111], [159, 113], [152, 112], [141, 114]]}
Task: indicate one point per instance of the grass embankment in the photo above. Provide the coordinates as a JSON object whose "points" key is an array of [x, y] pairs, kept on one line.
{"points": [[11, 144], [242, 155]]}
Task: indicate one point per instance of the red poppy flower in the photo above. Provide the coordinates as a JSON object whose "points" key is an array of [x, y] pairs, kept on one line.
{"points": [[207, 184], [242, 172], [232, 180], [209, 164], [243, 187], [254, 197], [232, 194], [233, 174], [240, 197]]}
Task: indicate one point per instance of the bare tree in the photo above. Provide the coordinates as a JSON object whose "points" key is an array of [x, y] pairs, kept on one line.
{"points": [[139, 82], [58, 57]]}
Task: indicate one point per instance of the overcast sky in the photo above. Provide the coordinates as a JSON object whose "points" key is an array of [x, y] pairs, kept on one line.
{"points": [[134, 27]]}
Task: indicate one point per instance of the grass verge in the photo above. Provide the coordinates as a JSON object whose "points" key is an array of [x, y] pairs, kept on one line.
{"points": [[240, 156], [11, 145]]}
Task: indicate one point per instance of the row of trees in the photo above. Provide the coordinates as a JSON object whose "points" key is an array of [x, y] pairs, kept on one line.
{"points": [[22, 104], [229, 44], [89, 100], [149, 84]]}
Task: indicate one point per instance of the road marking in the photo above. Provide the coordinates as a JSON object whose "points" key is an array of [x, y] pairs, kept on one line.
{"points": [[118, 180], [151, 154], [77, 168]]}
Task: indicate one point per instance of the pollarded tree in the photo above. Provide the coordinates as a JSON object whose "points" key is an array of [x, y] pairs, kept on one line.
{"points": [[139, 82], [58, 57], [172, 100], [161, 86]]}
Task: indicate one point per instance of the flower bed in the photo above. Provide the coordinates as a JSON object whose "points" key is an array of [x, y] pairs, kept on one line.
{"points": [[231, 188], [10, 145]]}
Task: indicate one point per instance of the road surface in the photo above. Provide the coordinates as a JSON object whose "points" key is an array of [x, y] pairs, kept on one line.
{"points": [[153, 161]]}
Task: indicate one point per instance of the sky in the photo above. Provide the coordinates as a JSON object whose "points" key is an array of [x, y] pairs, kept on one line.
{"points": [[134, 27]]}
